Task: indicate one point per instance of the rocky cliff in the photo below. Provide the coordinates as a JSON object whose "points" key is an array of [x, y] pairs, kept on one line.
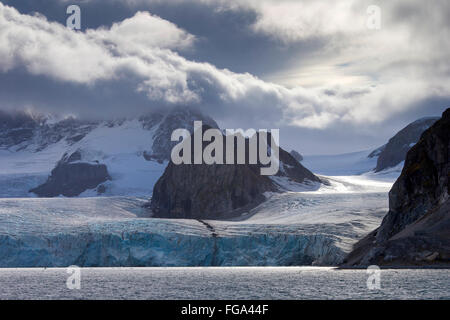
{"points": [[297, 156], [394, 152], [416, 229], [71, 177], [220, 190], [179, 118]]}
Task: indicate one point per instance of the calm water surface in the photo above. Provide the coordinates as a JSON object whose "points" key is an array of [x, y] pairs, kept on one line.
{"points": [[223, 283]]}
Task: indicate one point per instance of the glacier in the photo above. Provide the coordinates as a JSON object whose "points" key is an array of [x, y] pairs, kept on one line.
{"points": [[291, 228], [307, 224]]}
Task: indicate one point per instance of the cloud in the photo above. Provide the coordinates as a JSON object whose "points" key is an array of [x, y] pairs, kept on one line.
{"points": [[143, 32], [366, 77], [139, 46], [49, 49], [292, 21]]}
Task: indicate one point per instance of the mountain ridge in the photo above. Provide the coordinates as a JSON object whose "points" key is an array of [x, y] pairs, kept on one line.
{"points": [[215, 191], [416, 229], [394, 151]]}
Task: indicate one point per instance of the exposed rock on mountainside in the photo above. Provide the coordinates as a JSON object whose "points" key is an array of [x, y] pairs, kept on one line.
{"points": [[208, 191], [293, 170], [297, 156], [179, 118], [416, 229], [21, 130], [395, 150], [71, 177], [15, 128], [135, 150], [217, 191], [376, 152]]}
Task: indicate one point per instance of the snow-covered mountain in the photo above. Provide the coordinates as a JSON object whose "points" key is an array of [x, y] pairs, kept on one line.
{"points": [[394, 152], [124, 157], [135, 151], [311, 224], [383, 163], [354, 163]]}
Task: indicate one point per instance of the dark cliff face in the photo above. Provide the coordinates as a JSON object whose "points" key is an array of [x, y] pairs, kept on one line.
{"points": [[16, 128], [208, 191], [292, 169], [395, 150], [219, 191], [416, 229], [178, 118], [70, 178], [20, 130], [297, 156]]}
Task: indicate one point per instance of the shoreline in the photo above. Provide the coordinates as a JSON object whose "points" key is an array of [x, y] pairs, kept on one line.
{"points": [[331, 268]]}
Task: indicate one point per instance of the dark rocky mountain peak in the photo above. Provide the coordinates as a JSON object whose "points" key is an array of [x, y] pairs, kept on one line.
{"points": [[22, 130], [297, 156], [416, 229], [178, 118], [394, 152], [219, 190], [71, 177]]}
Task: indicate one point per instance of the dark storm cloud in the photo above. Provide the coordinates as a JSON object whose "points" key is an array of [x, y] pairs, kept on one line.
{"points": [[224, 36], [226, 40], [22, 90], [380, 81]]}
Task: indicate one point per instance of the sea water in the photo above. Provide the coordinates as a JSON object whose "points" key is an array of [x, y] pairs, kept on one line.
{"points": [[223, 283]]}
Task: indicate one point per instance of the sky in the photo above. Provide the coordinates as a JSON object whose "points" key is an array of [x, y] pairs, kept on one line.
{"points": [[334, 76]]}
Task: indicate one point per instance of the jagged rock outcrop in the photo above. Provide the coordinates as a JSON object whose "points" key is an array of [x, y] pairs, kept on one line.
{"points": [[15, 128], [71, 177], [293, 170], [21, 130], [377, 152], [208, 191], [394, 152], [178, 118], [416, 229], [120, 144], [297, 156], [218, 191]]}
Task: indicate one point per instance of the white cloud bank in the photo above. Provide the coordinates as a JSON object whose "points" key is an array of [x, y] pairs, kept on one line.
{"points": [[142, 48]]}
